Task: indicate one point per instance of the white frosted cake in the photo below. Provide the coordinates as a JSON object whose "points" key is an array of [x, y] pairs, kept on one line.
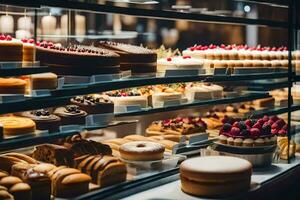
{"points": [[178, 62]]}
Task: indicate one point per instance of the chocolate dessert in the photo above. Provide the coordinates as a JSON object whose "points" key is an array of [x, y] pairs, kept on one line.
{"points": [[71, 114]]}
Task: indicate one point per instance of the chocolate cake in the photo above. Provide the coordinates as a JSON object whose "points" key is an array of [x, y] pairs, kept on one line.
{"points": [[94, 104], [135, 58], [71, 114], [77, 60], [43, 119]]}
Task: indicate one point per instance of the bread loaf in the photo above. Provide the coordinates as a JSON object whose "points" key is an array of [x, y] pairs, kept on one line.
{"points": [[104, 170], [15, 187], [54, 154]]}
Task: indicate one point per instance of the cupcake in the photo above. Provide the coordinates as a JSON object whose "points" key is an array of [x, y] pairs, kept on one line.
{"points": [[259, 142], [233, 55], [242, 54], [223, 139], [265, 55], [238, 142], [248, 55], [225, 55], [272, 55], [230, 141], [248, 142], [218, 55], [268, 141], [209, 54], [256, 55]]}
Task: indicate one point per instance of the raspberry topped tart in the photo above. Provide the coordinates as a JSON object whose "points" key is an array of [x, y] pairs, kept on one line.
{"points": [[77, 60], [252, 132]]}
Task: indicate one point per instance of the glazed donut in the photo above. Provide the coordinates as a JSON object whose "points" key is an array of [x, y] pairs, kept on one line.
{"points": [[142, 151]]}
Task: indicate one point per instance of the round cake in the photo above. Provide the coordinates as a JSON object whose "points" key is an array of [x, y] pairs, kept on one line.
{"points": [[71, 114], [213, 176], [142, 151], [77, 60], [12, 86], [13, 126], [135, 58], [44, 119], [94, 103], [11, 50]]}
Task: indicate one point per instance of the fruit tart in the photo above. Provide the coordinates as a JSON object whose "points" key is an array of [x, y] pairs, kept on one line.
{"points": [[252, 132]]}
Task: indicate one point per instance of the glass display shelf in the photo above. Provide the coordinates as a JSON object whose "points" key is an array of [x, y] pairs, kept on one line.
{"points": [[191, 14], [45, 137], [21, 68]]}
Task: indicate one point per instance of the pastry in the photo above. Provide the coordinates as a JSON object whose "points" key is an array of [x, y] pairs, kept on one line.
{"points": [[252, 132], [87, 147], [69, 182], [128, 98], [43, 81], [178, 62], [135, 58], [11, 50], [16, 188], [264, 103], [71, 114], [43, 119], [12, 86], [203, 91], [4, 194], [137, 138], [142, 151], [283, 148], [212, 176], [94, 104], [73, 60], [36, 176], [28, 50], [104, 170], [54, 154], [13, 126]]}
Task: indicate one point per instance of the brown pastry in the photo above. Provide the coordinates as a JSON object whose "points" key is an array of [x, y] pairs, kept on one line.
{"points": [[4, 194], [71, 114], [69, 182], [54, 154], [21, 191], [104, 170], [36, 176]]}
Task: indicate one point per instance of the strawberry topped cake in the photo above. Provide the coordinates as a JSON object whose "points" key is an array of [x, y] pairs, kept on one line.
{"points": [[252, 132]]}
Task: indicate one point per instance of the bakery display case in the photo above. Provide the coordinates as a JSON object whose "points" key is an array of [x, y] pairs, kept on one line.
{"points": [[137, 99]]}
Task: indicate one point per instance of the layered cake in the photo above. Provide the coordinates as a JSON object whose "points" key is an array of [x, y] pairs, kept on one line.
{"points": [[77, 60], [178, 62], [12, 86], [11, 50], [28, 50], [94, 103], [163, 94], [13, 126], [252, 132], [43, 81], [128, 97], [71, 114], [203, 91], [212, 176], [177, 126], [135, 58], [43, 119]]}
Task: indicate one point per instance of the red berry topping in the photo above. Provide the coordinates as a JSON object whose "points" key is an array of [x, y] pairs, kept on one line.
{"points": [[270, 122], [248, 122], [31, 41], [257, 125], [275, 126], [236, 124], [282, 132], [50, 44], [169, 59], [235, 131], [38, 44], [274, 118], [280, 122], [285, 127], [261, 121], [266, 118], [2, 37], [24, 40], [185, 57], [274, 131], [8, 37], [254, 132]]}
